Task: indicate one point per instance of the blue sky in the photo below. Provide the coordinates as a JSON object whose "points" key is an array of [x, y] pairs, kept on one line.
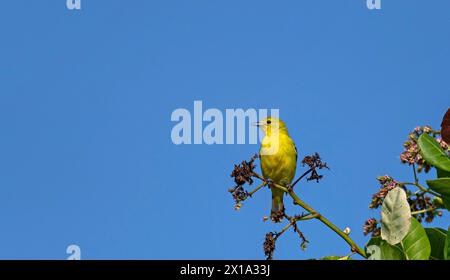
{"points": [[86, 96]]}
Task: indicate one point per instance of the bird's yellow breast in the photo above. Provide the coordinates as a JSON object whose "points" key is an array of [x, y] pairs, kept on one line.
{"points": [[278, 158]]}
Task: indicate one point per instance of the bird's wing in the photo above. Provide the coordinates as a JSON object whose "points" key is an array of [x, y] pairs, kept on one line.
{"points": [[296, 152]]}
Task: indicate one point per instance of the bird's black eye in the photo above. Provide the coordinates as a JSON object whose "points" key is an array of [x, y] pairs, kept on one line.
{"points": [[269, 121]]}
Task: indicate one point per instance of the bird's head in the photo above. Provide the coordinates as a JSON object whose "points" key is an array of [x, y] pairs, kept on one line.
{"points": [[271, 125]]}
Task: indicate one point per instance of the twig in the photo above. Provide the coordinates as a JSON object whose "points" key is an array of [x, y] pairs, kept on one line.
{"points": [[355, 248], [309, 217], [422, 188], [278, 234], [293, 223], [256, 189], [423, 211], [416, 180], [301, 177], [279, 187], [259, 177]]}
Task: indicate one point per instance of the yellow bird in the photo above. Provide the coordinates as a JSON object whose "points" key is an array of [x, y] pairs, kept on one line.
{"points": [[278, 160]]}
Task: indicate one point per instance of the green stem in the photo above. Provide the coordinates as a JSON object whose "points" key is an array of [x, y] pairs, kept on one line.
{"points": [[329, 224], [309, 217], [422, 188], [291, 222], [403, 249], [423, 211], [298, 201], [256, 189], [415, 174]]}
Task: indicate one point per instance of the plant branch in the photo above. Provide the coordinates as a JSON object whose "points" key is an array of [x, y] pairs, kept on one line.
{"points": [[316, 215], [279, 187], [278, 234], [353, 245], [256, 189], [243, 173], [309, 217], [301, 177], [293, 223], [422, 188], [423, 211], [416, 180]]}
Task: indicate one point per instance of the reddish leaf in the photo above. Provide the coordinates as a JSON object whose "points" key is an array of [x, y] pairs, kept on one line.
{"points": [[445, 127]]}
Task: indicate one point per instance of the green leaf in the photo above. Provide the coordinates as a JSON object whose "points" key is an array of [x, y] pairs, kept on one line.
{"points": [[416, 244], [379, 249], [331, 258], [441, 185], [442, 173], [395, 216], [437, 237], [432, 152], [446, 202]]}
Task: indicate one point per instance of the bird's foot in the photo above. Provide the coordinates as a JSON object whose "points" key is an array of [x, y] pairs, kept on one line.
{"points": [[269, 182], [289, 187]]}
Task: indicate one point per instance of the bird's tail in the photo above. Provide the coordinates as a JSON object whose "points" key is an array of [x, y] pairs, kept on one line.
{"points": [[277, 212]]}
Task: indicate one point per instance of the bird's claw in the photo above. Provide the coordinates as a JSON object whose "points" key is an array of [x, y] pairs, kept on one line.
{"points": [[289, 187]]}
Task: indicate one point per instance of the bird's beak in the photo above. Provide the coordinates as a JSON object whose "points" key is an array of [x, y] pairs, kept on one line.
{"points": [[256, 124]]}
